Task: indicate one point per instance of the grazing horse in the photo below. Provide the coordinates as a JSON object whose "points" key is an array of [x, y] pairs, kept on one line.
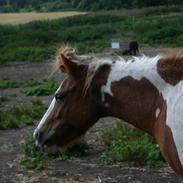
{"points": [[146, 92]]}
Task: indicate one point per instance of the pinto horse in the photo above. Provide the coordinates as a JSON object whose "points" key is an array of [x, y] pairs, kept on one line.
{"points": [[145, 92]]}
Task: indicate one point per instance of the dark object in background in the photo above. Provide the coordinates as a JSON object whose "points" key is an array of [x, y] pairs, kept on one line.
{"points": [[125, 47], [133, 48]]}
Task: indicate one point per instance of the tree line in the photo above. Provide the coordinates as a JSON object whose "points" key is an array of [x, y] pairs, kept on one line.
{"points": [[89, 5]]}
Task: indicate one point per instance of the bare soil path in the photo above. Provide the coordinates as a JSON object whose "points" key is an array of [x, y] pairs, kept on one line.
{"points": [[87, 169]]}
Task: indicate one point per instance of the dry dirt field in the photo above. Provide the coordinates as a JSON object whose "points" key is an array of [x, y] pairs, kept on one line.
{"points": [[86, 169], [21, 18]]}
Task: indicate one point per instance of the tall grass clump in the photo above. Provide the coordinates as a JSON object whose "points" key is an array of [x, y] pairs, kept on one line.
{"points": [[126, 143]]}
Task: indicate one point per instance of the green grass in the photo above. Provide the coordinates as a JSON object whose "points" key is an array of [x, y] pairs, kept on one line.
{"points": [[46, 87], [17, 117], [91, 33], [4, 99], [31, 87], [7, 97], [35, 159], [126, 143], [7, 83]]}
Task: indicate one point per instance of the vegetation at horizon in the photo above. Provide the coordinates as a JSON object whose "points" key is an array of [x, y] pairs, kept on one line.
{"points": [[86, 5], [39, 40], [26, 17]]}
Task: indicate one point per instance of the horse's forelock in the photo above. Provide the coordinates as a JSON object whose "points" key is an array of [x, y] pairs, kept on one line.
{"points": [[59, 60], [92, 63]]}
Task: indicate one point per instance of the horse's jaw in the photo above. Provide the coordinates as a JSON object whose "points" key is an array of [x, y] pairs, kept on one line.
{"points": [[51, 150]]}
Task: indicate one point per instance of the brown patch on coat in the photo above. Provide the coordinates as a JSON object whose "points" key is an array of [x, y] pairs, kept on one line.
{"points": [[170, 68], [139, 109], [136, 102]]}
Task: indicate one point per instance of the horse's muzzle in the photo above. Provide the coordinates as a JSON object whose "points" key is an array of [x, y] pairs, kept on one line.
{"points": [[45, 144]]}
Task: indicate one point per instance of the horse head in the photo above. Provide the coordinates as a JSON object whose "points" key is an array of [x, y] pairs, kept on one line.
{"points": [[74, 108]]}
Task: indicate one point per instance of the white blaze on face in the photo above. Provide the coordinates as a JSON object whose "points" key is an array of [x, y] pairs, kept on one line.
{"points": [[145, 67], [48, 112], [44, 118]]}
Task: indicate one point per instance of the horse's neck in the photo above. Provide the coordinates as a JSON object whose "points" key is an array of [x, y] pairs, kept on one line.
{"points": [[132, 95]]}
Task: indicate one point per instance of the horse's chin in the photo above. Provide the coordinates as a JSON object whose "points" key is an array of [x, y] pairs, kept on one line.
{"points": [[55, 149], [52, 150]]}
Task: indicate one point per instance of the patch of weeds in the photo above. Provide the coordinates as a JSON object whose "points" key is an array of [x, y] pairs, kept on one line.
{"points": [[4, 99], [76, 150], [126, 143], [35, 158], [30, 83], [16, 117], [46, 87], [7, 83], [12, 95]]}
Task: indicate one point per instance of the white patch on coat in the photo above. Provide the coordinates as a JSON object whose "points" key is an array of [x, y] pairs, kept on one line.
{"points": [[157, 112], [174, 99], [145, 67]]}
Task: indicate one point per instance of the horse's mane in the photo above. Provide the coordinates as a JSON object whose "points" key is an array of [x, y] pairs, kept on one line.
{"points": [[172, 59], [92, 69]]}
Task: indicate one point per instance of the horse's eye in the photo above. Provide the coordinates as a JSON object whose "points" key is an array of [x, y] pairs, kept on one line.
{"points": [[58, 96]]}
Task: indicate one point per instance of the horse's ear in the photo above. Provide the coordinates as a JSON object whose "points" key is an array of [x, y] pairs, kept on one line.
{"points": [[69, 65]]}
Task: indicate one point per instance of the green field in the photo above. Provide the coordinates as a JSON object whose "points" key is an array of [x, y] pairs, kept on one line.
{"points": [[93, 32], [21, 18]]}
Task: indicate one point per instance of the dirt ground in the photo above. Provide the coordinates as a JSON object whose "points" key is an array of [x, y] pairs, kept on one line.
{"points": [[86, 169]]}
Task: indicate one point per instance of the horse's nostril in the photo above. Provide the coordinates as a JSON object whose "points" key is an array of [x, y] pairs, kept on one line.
{"points": [[36, 134]]}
